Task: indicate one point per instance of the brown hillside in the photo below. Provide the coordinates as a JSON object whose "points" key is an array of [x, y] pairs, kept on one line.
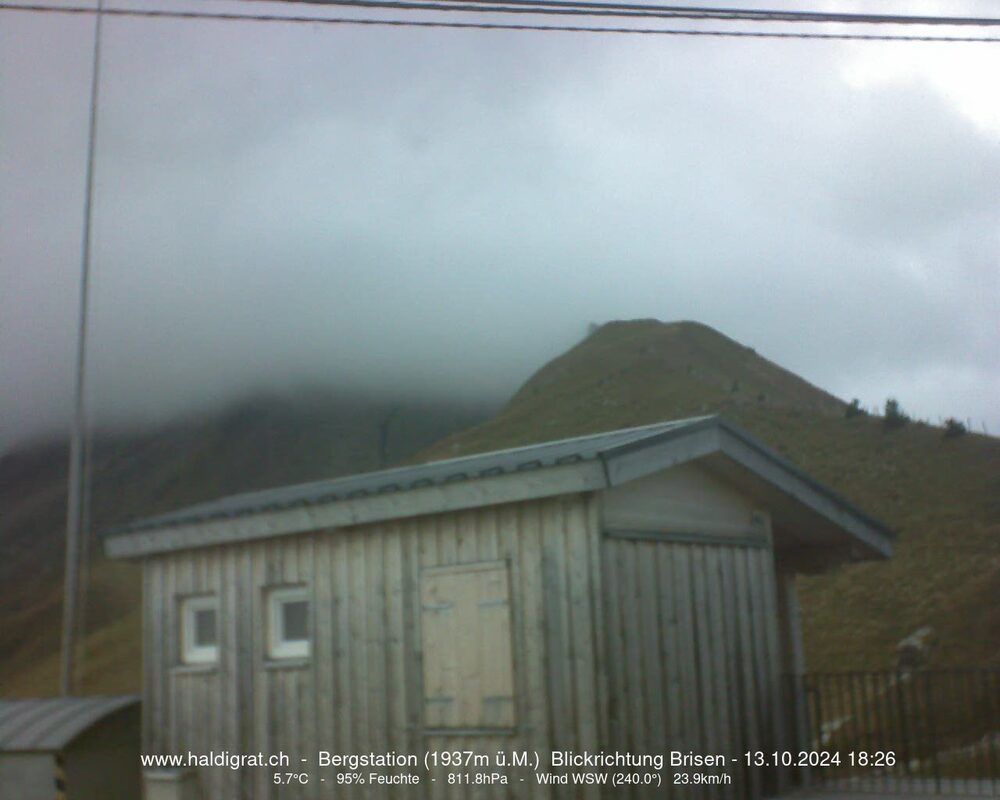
{"points": [[942, 496]]}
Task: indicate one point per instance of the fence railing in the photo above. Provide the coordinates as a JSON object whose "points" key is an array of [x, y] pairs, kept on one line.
{"points": [[906, 732]]}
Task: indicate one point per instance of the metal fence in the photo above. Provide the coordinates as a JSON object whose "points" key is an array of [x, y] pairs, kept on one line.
{"points": [[908, 733]]}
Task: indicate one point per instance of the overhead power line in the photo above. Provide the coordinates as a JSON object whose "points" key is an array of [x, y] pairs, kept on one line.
{"points": [[423, 23], [662, 12]]}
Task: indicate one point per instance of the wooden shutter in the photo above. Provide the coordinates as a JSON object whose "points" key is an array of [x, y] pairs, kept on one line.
{"points": [[466, 632]]}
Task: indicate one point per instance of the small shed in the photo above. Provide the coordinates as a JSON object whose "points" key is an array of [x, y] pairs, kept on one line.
{"points": [[630, 593], [84, 748]]}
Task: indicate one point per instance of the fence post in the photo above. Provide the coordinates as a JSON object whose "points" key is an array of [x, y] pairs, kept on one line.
{"points": [[990, 696], [903, 727], [814, 726], [932, 731]]}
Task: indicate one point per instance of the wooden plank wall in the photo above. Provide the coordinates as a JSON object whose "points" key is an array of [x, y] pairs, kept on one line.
{"points": [[361, 689], [692, 655]]}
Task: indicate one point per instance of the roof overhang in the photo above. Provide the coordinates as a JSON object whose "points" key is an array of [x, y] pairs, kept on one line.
{"points": [[555, 468], [813, 526], [49, 724], [509, 488]]}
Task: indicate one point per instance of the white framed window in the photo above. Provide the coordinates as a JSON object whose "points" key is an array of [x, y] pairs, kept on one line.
{"points": [[288, 622], [200, 630]]}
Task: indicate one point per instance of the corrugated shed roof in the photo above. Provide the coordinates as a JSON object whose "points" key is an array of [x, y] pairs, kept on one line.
{"points": [[483, 465], [51, 723]]}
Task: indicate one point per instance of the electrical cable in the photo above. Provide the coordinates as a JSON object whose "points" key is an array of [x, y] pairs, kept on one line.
{"points": [[662, 12], [410, 23]]}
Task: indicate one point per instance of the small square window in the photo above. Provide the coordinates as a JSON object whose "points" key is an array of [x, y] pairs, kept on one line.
{"points": [[200, 630], [288, 618]]}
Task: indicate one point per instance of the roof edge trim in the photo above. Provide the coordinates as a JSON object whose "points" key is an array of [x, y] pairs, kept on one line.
{"points": [[798, 485], [632, 454], [506, 488]]}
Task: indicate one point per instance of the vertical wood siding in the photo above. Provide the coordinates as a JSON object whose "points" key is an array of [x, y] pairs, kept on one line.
{"points": [[361, 689], [618, 644], [692, 656]]}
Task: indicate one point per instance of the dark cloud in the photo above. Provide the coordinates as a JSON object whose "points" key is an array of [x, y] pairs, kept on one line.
{"points": [[446, 211]]}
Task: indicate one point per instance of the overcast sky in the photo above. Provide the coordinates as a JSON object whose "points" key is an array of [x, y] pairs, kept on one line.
{"points": [[448, 210]]}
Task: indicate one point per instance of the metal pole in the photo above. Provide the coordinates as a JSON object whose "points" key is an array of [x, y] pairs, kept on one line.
{"points": [[78, 483]]}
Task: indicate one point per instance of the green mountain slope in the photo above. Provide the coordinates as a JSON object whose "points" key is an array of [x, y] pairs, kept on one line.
{"points": [[941, 495]]}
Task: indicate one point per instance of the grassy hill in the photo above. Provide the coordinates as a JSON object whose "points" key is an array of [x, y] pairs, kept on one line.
{"points": [[259, 442], [941, 495]]}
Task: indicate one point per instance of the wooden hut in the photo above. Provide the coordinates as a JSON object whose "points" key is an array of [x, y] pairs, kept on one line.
{"points": [[84, 748], [620, 596]]}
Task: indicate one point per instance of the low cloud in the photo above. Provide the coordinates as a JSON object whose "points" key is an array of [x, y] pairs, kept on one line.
{"points": [[444, 212]]}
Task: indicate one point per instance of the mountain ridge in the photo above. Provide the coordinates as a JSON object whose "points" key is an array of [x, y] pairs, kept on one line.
{"points": [[941, 495]]}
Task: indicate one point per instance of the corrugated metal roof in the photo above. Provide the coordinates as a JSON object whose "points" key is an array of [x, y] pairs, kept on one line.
{"points": [[483, 465], [51, 723]]}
